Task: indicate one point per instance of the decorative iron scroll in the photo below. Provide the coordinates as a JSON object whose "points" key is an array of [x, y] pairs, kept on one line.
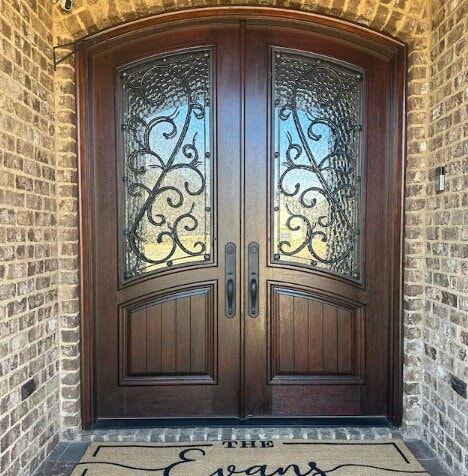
{"points": [[316, 157], [166, 161]]}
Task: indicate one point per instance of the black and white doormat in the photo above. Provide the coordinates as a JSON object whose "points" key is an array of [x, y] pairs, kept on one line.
{"points": [[250, 458]]}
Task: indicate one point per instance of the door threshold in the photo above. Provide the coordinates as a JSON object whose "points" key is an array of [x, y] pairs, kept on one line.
{"points": [[138, 423]]}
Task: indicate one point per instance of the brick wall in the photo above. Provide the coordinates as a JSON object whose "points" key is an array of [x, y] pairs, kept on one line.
{"points": [[445, 326], [29, 383], [68, 235]]}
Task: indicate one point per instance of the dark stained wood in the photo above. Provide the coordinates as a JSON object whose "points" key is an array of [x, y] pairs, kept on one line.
{"points": [[153, 339], [178, 350], [328, 400], [301, 335], [365, 317], [345, 340], [353, 32], [286, 331], [168, 339], [176, 336], [315, 336], [355, 352], [183, 335], [329, 339], [168, 336], [137, 340], [198, 334], [313, 340], [257, 398]]}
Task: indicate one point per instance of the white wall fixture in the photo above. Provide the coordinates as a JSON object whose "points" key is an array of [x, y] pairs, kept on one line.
{"points": [[66, 5], [440, 179]]}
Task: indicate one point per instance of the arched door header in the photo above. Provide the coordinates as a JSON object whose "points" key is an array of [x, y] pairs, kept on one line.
{"points": [[354, 33]]}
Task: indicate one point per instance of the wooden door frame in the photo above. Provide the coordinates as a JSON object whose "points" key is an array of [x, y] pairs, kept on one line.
{"points": [[393, 49]]}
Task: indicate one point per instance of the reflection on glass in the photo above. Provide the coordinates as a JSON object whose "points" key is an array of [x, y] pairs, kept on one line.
{"points": [[316, 156], [166, 162]]}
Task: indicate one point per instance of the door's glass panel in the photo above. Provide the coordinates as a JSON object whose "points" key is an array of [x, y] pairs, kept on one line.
{"points": [[316, 163], [167, 162]]}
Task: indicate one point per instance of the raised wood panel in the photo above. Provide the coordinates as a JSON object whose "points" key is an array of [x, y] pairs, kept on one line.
{"points": [[169, 338], [314, 339]]}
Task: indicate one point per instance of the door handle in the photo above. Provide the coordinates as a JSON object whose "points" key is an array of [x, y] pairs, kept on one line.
{"points": [[230, 280], [253, 252], [230, 296], [253, 296]]}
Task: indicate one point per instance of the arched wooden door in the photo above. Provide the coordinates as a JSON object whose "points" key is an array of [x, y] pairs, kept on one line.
{"points": [[244, 205]]}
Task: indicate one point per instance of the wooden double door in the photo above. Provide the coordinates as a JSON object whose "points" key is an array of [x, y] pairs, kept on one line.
{"points": [[241, 238]]}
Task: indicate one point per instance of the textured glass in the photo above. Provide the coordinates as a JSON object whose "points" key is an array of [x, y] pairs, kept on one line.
{"points": [[316, 157], [167, 162]]}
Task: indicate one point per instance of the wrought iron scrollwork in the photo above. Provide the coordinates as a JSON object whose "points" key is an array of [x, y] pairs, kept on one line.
{"points": [[317, 156], [166, 145]]}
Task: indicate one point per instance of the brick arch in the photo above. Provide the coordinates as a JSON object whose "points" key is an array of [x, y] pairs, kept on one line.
{"points": [[402, 19]]}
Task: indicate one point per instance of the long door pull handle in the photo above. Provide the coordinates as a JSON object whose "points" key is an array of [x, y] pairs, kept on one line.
{"points": [[253, 296], [230, 296], [230, 280], [253, 260]]}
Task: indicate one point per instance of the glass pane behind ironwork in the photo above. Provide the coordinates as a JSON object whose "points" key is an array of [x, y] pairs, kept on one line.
{"points": [[316, 157], [166, 114]]}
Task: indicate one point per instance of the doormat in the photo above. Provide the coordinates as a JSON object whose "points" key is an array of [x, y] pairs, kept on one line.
{"points": [[259, 458]]}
